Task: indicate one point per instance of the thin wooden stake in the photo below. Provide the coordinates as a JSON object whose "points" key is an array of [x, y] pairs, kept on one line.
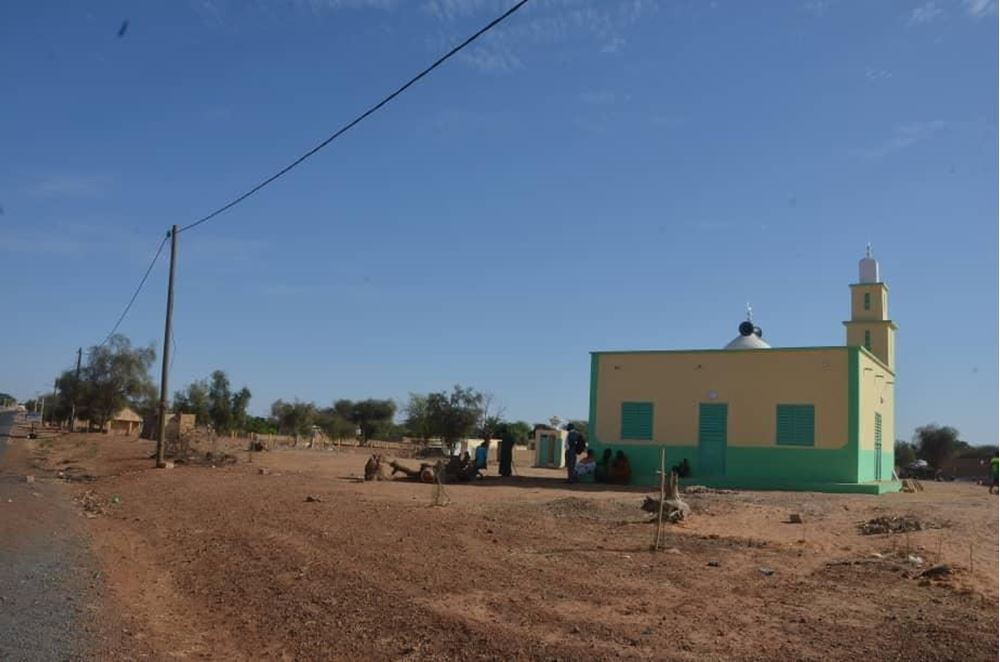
{"points": [[663, 497]]}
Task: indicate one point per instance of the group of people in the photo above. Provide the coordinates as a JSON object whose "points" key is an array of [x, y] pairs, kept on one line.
{"points": [[613, 467]]}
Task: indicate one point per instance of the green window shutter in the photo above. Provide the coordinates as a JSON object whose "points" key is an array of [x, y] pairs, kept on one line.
{"points": [[795, 425], [868, 340], [637, 421], [868, 301]]}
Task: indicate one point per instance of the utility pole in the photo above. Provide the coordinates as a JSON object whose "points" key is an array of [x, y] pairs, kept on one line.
{"points": [[76, 390], [164, 371], [55, 398]]}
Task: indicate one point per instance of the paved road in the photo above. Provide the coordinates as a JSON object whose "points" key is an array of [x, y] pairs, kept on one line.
{"points": [[45, 570]]}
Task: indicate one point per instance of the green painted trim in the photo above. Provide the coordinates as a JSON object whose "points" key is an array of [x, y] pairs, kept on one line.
{"points": [[772, 350], [854, 407], [868, 353]]}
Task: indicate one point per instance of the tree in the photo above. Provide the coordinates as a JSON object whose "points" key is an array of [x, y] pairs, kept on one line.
{"points": [[418, 422], [936, 444], [7, 400], [194, 400], [296, 418], [116, 376], [369, 415], [581, 427], [260, 425], [240, 402], [454, 416], [213, 403], [334, 424], [518, 431], [905, 453], [490, 416]]}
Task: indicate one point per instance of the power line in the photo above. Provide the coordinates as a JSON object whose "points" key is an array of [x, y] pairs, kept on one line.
{"points": [[138, 289], [347, 127]]}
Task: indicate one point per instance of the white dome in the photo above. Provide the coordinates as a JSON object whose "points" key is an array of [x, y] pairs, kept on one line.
{"points": [[747, 342]]}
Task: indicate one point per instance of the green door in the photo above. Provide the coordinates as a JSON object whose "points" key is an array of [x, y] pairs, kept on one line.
{"points": [[712, 439]]}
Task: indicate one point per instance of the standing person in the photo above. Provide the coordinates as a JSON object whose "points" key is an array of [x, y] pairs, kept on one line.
{"points": [[995, 474], [571, 440], [482, 453], [506, 455]]}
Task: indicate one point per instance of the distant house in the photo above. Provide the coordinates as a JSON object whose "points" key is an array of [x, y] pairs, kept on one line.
{"points": [[177, 425], [126, 422]]}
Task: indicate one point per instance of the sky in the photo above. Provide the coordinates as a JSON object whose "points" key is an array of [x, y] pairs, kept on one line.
{"points": [[592, 175]]}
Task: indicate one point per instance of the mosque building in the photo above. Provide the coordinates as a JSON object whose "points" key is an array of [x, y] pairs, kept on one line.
{"points": [[759, 417]]}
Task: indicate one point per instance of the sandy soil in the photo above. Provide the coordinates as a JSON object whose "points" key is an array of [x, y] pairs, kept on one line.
{"points": [[233, 562]]}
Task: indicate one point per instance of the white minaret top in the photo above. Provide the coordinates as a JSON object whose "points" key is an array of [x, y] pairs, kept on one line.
{"points": [[868, 267]]}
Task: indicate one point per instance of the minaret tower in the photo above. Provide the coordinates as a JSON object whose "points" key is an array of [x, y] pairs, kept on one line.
{"points": [[870, 326]]}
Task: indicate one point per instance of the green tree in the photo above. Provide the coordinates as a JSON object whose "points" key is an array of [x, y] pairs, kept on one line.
{"points": [[936, 444], [905, 453], [194, 400], [454, 416], [581, 427], [369, 415], [260, 425], [334, 424], [517, 431], [115, 376], [296, 418], [418, 422], [7, 400]]}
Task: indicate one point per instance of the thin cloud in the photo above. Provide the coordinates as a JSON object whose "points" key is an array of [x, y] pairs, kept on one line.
{"points": [[926, 13], [873, 73], [595, 23], [72, 185], [980, 8], [904, 136]]}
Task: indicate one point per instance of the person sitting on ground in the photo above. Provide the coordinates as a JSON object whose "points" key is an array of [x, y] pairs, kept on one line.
{"points": [[603, 468], [587, 465], [621, 471]]}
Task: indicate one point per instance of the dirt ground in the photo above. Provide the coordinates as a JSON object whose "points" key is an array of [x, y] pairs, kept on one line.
{"points": [[233, 562]]}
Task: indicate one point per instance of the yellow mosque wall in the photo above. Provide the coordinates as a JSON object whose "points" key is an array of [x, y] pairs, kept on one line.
{"points": [[751, 382]]}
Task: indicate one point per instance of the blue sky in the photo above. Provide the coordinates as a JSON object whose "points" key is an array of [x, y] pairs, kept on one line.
{"points": [[594, 175]]}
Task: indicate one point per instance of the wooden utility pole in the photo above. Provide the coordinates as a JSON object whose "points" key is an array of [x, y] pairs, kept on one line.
{"points": [[165, 369], [76, 391]]}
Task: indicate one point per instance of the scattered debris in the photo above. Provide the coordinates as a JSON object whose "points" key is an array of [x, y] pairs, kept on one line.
{"points": [[92, 504], [29, 479], [701, 489], [912, 485], [767, 572], [795, 518], [937, 571], [263, 471], [913, 559], [891, 524], [714, 564], [313, 499]]}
